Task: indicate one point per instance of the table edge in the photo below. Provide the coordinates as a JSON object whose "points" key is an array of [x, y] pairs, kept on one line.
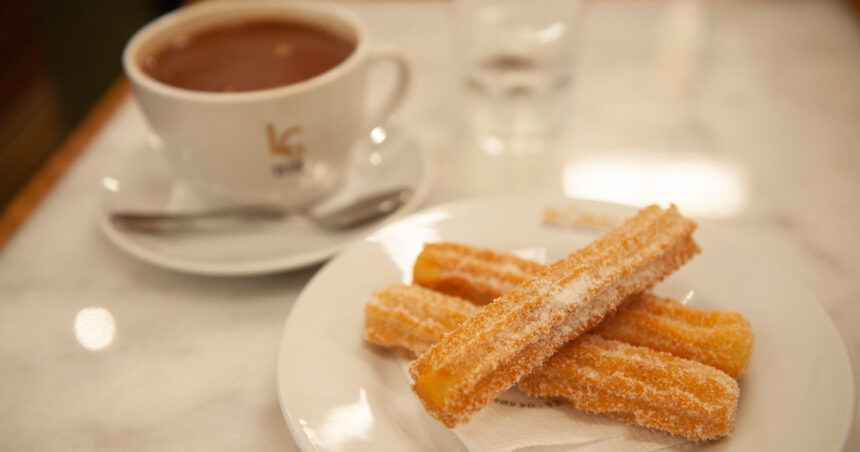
{"points": [[40, 184]]}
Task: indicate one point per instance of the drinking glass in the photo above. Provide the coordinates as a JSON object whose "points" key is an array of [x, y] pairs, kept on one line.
{"points": [[518, 59]]}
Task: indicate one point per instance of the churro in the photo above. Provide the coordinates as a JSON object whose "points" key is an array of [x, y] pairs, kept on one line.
{"points": [[476, 274], [634, 384], [412, 317], [639, 385], [720, 339], [515, 333]]}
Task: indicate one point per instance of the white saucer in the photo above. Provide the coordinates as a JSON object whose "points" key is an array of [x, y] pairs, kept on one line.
{"points": [[139, 177], [339, 393]]}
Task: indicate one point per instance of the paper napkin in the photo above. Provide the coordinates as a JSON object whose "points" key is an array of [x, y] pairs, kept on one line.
{"points": [[518, 422]]}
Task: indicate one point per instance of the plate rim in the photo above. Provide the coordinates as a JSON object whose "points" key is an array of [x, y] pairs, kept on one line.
{"points": [[306, 445]]}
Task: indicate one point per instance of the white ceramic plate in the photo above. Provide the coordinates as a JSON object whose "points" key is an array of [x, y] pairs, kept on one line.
{"points": [[338, 393], [139, 178]]}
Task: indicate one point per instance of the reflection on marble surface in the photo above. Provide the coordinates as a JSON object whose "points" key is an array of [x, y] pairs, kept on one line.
{"points": [[110, 184], [95, 328], [378, 135], [699, 186]]}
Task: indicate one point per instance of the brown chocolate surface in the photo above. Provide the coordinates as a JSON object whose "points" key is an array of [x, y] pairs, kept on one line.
{"points": [[247, 56]]}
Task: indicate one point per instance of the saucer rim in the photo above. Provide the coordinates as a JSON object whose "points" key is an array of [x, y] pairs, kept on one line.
{"points": [[280, 264]]}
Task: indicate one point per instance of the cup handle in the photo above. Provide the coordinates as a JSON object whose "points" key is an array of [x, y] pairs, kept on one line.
{"points": [[394, 57]]}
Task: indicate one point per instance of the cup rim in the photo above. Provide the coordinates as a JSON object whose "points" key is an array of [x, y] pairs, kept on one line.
{"points": [[158, 25]]}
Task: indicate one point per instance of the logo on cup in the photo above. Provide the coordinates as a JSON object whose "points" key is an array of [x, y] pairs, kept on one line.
{"points": [[287, 145]]}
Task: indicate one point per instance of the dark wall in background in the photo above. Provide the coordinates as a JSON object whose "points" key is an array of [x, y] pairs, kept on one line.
{"points": [[57, 57], [83, 41]]}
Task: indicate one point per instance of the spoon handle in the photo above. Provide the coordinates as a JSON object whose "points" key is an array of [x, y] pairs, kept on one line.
{"points": [[353, 214], [364, 210], [186, 221]]}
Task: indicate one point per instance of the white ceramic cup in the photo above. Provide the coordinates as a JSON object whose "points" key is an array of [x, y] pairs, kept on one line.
{"points": [[285, 145]]}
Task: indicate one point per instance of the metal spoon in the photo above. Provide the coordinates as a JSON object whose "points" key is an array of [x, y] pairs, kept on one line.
{"points": [[355, 213]]}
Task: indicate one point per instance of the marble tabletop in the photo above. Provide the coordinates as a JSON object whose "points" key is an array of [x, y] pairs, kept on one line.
{"points": [[745, 113]]}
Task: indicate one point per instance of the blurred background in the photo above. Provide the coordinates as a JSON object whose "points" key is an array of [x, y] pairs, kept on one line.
{"points": [[58, 59]]}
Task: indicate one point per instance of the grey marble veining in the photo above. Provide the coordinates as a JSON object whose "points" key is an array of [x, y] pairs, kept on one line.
{"points": [[768, 92]]}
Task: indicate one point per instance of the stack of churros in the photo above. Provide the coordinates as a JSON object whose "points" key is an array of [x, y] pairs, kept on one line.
{"points": [[532, 333], [720, 339]]}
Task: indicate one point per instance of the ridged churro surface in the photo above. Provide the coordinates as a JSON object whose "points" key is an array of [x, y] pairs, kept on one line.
{"points": [[639, 385], [412, 317], [720, 339], [515, 333], [635, 384], [476, 274]]}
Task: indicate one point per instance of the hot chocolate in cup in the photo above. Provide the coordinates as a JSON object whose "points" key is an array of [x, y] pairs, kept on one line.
{"points": [[258, 102]]}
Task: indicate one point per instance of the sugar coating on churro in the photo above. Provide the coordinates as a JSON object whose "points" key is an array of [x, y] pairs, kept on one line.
{"points": [[635, 384], [519, 330], [639, 385], [412, 317], [720, 339], [476, 274]]}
